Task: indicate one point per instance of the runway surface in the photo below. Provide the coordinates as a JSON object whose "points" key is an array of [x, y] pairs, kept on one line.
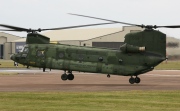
{"points": [[36, 80]]}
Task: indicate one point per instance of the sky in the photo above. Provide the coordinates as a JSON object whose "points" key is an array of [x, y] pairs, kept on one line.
{"points": [[54, 13]]}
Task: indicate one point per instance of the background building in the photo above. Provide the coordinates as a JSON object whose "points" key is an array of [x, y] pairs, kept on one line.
{"points": [[173, 48], [98, 37], [91, 37], [6, 46]]}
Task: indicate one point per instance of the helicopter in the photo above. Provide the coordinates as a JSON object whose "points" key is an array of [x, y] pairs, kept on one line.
{"points": [[140, 53]]}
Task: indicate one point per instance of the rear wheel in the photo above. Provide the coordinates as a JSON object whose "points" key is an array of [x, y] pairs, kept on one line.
{"points": [[137, 80]]}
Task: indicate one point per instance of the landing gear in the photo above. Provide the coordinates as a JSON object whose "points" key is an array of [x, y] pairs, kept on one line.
{"points": [[134, 80], [44, 69], [64, 76], [131, 80], [69, 76], [137, 80], [108, 76]]}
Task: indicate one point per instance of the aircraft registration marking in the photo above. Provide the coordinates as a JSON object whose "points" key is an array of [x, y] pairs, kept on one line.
{"points": [[32, 62]]}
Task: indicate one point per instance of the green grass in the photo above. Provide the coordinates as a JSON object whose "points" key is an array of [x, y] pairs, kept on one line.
{"points": [[170, 65], [8, 64], [8, 73], [91, 101]]}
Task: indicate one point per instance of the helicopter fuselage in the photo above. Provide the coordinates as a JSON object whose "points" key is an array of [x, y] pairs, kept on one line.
{"points": [[140, 53], [87, 59]]}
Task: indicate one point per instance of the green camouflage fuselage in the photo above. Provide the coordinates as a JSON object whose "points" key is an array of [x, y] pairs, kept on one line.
{"points": [[131, 59]]}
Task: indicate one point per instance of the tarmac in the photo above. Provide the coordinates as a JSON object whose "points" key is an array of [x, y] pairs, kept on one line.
{"points": [[35, 80]]}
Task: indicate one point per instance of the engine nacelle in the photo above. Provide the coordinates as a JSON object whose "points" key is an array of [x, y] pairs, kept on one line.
{"points": [[131, 49]]}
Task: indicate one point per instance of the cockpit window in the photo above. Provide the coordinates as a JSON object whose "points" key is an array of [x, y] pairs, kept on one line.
{"points": [[26, 50]]}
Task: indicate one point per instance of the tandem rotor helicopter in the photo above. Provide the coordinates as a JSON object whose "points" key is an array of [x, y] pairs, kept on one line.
{"points": [[140, 53]]}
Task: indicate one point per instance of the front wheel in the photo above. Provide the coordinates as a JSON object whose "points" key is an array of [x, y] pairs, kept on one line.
{"points": [[70, 76], [64, 77]]}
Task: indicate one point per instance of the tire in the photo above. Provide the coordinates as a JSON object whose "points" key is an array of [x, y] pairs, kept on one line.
{"points": [[131, 80], [64, 77], [137, 80], [70, 76]]}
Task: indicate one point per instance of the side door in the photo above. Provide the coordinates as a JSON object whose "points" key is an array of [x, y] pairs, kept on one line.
{"points": [[40, 55]]}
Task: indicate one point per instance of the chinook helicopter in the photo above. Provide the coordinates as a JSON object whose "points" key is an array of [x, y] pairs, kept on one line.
{"points": [[140, 53]]}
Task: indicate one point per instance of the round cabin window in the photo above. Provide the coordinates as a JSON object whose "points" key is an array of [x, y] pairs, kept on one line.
{"points": [[61, 55]]}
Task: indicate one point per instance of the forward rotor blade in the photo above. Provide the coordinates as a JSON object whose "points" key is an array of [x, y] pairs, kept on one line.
{"points": [[39, 30], [7, 30], [14, 27], [60, 28], [106, 20]]}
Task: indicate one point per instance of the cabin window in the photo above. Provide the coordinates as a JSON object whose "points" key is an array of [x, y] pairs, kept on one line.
{"points": [[61, 55], [100, 59], [40, 53], [120, 60], [81, 57]]}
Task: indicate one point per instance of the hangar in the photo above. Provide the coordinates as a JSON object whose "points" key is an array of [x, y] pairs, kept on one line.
{"points": [[96, 37], [91, 37], [6, 46]]}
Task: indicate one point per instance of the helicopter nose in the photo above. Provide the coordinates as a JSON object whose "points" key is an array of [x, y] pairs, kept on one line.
{"points": [[12, 57]]}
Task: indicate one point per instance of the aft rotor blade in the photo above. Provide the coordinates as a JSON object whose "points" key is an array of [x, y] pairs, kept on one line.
{"points": [[142, 26], [14, 27], [106, 20], [170, 26], [60, 28]]}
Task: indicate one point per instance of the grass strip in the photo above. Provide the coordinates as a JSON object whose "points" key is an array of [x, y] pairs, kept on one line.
{"points": [[169, 65], [91, 101], [8, 73]]}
